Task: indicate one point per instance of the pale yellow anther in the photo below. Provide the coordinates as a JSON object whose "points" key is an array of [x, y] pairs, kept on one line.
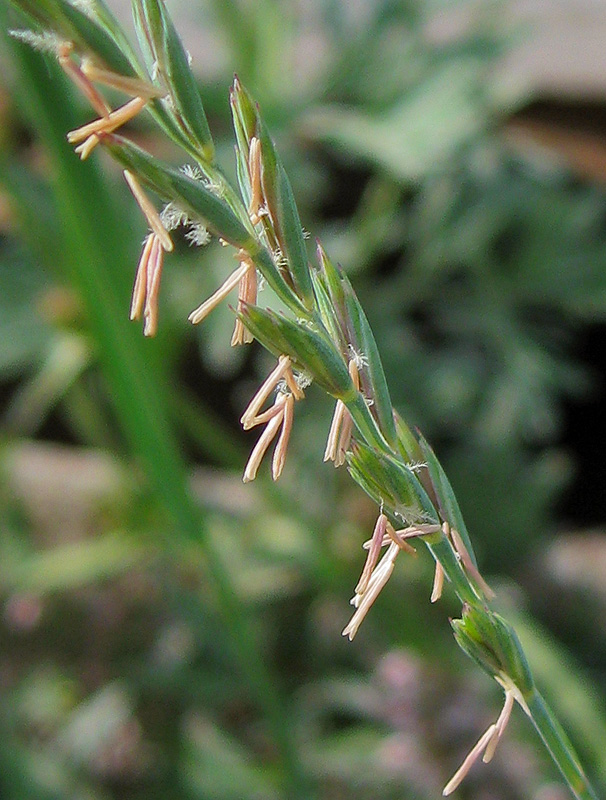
{"points": [[375, 575], [249, 417], [198, 314], [247, 295], [330, 453], [147, 207], [147, 285], [344, 439], [378, 579], [136, 87], [278, 417], [466, 560], [75, 74], [399, 540], [487, 743], [140, 287], [88, 145], [438, 583], [266, 438], [265, 416], [500, 726], [279, 458], [341, 427], [296, 391], [374, 550], [154, 273], [109, 123], [254, 171], [473, 756]]}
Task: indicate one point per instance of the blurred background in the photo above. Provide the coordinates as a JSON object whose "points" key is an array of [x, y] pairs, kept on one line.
{"points": [[452, 157]]}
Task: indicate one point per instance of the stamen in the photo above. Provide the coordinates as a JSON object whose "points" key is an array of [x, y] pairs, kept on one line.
{"points": [[374, 576], [254, 171], [154, 273], [88, 145], [198, 314], [247, 295], [412, 532], [330, 453], [376, 542], [250, 415], [109, 123], [77, 77], [277, 464], [265, 416], [151, 215], [133, 86], [280, 414], [473, 756], [344, 439], [486, 744], [500, 726], [293, 384], [402, 543], [341, 428], [379, 578], [250, 473], [140, 287], [438, 583]]}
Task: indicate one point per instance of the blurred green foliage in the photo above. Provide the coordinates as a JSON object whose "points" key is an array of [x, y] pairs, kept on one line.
{"points": [[479, 261]]}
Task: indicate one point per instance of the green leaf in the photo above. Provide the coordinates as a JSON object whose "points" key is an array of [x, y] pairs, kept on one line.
{"points": [[274, 278], [425, 128], [110, 24], [184, 90], [136, 381], [407, 443], [244, 118], [244, 115], [292, 241]]}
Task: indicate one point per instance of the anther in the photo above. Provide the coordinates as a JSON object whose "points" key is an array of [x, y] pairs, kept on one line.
{"points": [[149, 211]]}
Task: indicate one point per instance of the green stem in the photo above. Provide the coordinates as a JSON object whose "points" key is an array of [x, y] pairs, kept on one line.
{"points": [[137, 384], [559, 747]]}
